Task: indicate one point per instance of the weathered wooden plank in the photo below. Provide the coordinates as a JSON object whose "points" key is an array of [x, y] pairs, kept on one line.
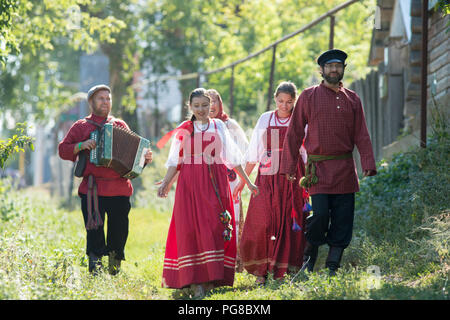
{"points": [[412, 90], [440, 73], [436, 39], [416, 24], [415, 58], [435, 53], [380, 114], [395, 93], [438, 63], [416, 8], [437, 24], [416, 41], [414, 75]]}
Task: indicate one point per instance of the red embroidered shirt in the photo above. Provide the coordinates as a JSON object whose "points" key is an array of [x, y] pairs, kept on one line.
{"points": [[336, 124], [109, 183]]}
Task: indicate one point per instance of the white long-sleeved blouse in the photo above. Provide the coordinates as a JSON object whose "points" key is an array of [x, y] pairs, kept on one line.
{"points": [[256, 150], [229, 154]]}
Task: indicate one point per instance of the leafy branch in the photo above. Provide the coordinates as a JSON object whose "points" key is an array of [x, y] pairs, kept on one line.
{"points": [[17, 143]]}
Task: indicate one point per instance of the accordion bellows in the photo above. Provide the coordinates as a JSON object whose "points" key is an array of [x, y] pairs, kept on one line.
{"points": [[119, 149]]}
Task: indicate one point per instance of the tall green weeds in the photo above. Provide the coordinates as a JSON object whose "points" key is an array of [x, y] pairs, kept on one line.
{"points": [[399, 249], [402, 219]]}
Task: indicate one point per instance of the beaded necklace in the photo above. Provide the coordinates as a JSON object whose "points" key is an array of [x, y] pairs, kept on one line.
{"points": [[201, 130], [279, 121]]}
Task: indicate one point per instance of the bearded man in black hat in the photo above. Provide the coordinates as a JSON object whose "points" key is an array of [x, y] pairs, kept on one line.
{"points": [[336, 124]]}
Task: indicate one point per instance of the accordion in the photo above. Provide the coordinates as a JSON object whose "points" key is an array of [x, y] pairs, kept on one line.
{"points": [[119, 149]]}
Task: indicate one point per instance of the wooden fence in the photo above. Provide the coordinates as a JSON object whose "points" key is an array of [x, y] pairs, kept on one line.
{"points": [[382, 97]]}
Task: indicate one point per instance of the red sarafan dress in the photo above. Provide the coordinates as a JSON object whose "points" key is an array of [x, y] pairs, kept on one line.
{"points": [[268, 243], [196, 251]]}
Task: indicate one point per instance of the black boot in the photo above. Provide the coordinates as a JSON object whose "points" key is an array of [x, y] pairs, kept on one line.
{"points": [[334, 259], [113, 264], [309, 256], [95, 263]]}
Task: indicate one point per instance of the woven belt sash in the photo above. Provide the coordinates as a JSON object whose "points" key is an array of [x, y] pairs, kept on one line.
{"points": [[94, 219], [310, 177]]}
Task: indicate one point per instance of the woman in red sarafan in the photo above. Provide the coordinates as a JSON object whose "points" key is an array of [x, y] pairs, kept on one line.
{"points": [[198, 251], [272, 238], [241, 141]]}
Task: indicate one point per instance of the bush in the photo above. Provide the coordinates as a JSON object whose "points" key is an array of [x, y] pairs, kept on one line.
{"points": [[402, 219], [15, 144]]}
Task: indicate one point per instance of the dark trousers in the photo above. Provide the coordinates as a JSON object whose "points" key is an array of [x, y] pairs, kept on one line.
{"points": [[332, 220], [117, 209]]}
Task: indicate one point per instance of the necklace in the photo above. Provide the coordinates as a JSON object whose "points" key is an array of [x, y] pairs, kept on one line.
{"points": [[199, 129], [279, 121]]}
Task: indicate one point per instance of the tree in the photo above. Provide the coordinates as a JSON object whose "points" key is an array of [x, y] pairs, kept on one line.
{"points": [[32, 37], [179, 36], [198, 36], [124, 52], [35, 36], [186, 36]]}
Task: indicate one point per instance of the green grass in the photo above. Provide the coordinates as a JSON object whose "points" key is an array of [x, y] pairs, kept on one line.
{"points": [[402, 224], [42, 257]]}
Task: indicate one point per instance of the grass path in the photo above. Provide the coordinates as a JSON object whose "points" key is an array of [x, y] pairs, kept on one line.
{"points": [[42, 257]]}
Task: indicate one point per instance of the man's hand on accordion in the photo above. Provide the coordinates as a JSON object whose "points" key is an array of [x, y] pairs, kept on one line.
{"points": [[84, 145], [148, 157]]}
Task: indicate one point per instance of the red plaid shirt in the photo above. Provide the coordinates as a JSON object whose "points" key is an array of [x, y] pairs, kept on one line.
{"points": [[109, 183], [336, 124]]}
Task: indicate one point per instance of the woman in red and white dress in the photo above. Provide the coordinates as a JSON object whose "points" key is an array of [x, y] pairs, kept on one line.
{"points": [[239, 137], [273, 236], [197, 253]]}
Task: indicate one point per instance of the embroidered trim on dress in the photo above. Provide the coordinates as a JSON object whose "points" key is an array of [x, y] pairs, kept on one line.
{"points": [[198, 259]]}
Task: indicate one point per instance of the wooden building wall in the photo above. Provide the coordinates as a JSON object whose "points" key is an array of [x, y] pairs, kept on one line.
{"points": [[438, 58], [391, 93]]}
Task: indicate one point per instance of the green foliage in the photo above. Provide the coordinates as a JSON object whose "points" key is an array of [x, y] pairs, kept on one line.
{"points": [[36, 25], [40, 44], [402, 214], [42, 257], [15, 144], [178, 35], [444, 6], [7, 207], [146, 189], [123, 52], [199, 36], [170, 36], [439, 120], [405, 191], [42, 254], [258, 24], [8, 41], [402, 222]]}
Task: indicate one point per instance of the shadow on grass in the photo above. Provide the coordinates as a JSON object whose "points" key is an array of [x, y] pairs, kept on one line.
{"points": [[391, 291], [243, 284]]}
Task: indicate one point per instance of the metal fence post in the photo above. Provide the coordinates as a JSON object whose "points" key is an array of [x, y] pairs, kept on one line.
{"points": [[423, 84], [331, 41], [272, 70], [231, 91]]}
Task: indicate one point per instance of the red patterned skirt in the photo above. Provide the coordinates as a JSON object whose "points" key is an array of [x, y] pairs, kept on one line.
{"points": [[268, 243], [195, 250]]}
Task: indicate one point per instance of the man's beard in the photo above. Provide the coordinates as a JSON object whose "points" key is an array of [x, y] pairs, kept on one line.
{"points": [[333, 80], [98, 109]]}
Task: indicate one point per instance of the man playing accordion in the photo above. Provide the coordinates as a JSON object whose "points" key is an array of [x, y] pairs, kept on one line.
{"points": [[102, 189]]}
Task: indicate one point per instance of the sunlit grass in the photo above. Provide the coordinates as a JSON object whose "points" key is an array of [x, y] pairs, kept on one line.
{"points": [[42, 251]]}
